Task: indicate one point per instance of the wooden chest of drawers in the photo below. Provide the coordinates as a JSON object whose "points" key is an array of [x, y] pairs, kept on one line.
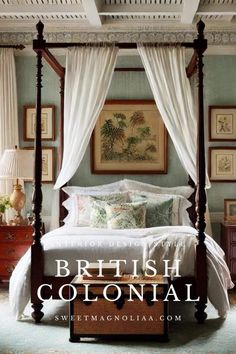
{"points": [[122, 318], [228, 243], [14, 242]]}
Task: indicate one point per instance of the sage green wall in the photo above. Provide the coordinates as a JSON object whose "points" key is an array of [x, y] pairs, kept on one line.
{"points": [[220, 89]]}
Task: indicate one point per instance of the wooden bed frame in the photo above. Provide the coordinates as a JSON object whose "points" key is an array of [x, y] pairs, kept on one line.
{"points": [[41, 47]]}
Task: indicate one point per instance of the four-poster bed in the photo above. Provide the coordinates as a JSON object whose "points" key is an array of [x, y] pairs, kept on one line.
{"points": [[41, 47], [14, 46], [42, 273]]}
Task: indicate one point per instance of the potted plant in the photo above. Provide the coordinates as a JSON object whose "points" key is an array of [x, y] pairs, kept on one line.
{"points": [[4, 204]]}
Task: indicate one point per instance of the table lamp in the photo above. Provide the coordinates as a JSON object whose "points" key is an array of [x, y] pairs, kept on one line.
{"points": [[17, 164]]}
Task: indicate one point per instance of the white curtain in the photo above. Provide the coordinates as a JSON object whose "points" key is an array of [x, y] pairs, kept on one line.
{"points": [[88, 75], [165, 69], [8, 108]]}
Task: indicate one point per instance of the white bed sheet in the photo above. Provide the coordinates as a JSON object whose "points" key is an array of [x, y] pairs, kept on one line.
{"points": [[158, 243]]}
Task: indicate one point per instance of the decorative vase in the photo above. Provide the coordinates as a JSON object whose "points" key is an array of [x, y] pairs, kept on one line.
{"points": [[17, 200]]}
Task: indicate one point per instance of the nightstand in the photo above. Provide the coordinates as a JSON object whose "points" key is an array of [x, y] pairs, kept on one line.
{"points": [[228, 243], [14, 242]]}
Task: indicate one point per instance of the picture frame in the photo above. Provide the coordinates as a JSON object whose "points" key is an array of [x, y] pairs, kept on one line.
{"points": [[222, 164], [48, 122], [222, 123], [129, 137], [48, 163], [230, 210]]}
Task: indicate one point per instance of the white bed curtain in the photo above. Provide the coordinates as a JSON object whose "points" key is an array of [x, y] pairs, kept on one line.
{"points": [[88, 75], [8, 108], [165, 69]]}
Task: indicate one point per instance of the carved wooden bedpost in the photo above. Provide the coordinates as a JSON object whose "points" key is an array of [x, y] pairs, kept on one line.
{"points": [[37, 261], [200, 45]]}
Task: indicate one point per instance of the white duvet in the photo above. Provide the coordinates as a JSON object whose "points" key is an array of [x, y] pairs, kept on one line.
{"points": [[157, 243]]}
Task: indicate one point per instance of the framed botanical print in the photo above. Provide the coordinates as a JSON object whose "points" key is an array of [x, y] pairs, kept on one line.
{"points": [[129, 137], [222, 164], [47, 124], [47, 164], [222, 123], [230, 210]]}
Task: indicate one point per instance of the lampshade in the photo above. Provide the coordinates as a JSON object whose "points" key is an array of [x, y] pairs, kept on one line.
{"points": [[17, 163]]}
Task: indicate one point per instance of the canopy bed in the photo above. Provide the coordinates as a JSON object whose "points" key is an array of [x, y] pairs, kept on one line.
{"points": [[38, 277]]}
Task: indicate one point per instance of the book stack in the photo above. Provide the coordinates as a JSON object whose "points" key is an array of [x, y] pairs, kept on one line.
{"points": [[108, 271]]}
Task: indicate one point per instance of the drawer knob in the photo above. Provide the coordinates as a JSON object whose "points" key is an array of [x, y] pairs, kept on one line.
{"points": [[10, 268], [9, 236], [27, 236]]}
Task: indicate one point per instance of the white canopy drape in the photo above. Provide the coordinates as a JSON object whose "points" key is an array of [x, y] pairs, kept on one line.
{"points": [[165, 69], [8, 108], [88, 75]]}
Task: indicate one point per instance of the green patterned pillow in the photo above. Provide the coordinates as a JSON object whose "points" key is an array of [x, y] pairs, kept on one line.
{"points": [[126, 215], [98, 215], [159, 209]]}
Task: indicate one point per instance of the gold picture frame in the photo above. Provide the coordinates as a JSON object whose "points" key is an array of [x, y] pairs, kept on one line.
{"points": [[48, 122], [48, 164], [222, 123], [222, 164], [129, 137], [230, 210]]}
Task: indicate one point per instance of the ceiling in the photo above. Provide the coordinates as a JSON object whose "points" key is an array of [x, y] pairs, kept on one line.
{"points": [[118, 20]]}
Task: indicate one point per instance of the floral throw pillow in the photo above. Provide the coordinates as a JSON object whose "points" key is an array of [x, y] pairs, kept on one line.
{"points": [[126, 215], [159, 208], [98, 216]]}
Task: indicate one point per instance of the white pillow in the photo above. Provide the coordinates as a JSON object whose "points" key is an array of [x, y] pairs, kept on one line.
{"points": [[79, 205], [110, 187], [184, 218], [129, 184], [179, 215]]}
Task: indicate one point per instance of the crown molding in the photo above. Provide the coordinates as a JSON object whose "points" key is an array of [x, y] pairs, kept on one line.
{"points": [[214, 37]]}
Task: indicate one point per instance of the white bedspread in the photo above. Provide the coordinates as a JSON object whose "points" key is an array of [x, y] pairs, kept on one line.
{"points": [[158, 243]]}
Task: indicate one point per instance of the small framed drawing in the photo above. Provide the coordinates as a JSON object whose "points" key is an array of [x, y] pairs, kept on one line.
{"points": [[129, 137], [48, 122], [47, 164], [230, 210], [222, 123], [222, 164]]}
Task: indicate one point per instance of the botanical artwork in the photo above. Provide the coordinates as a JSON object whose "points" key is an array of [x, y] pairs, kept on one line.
{"points": [[44, 125], [222, 123], [47, 164], [230, 210], [47, 122], [222, 163], [130, 137]]}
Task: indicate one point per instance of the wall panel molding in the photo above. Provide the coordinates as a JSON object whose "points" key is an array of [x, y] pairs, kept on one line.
{"points": [[214, 38]]}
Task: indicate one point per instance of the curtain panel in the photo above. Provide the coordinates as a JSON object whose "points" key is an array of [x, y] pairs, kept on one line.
{"points": [[8, 108], [165, 69], [88, 75]]}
